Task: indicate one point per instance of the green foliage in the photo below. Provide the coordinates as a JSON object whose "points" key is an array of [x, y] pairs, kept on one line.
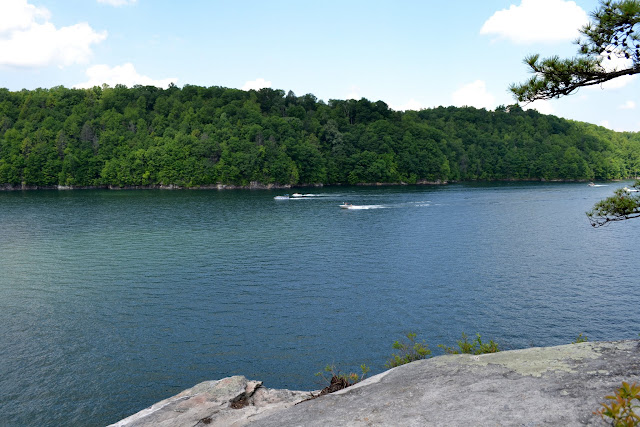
{"points": [[612, 33], [198, 136], [624, 204], [620, 411], [471, 347], [332, 375], [580, 338], [408, 351]]}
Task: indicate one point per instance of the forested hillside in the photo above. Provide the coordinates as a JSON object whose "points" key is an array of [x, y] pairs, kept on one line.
{"points": [[195, 136]]}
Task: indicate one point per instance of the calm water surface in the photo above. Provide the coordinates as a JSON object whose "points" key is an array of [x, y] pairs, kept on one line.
{"points": [[113, 300]]}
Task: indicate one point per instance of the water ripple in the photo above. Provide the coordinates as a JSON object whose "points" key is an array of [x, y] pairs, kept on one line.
{"points": [[111, 301]]}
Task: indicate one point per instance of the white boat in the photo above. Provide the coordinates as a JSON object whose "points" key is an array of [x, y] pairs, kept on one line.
{"points": [[304, 195], [591, 184], [630, 190], [346, 205]]}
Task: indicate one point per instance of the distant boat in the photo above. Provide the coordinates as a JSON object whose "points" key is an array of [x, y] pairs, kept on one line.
{"points": [[295, 196], [346, 205], [591, 184], [630, 190]]}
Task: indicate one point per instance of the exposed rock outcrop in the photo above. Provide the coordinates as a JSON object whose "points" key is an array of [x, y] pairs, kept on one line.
{"points": [[550, 386], [232, 401]]}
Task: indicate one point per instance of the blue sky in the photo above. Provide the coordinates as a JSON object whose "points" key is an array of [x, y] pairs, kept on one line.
{"points": [[410, 54]]}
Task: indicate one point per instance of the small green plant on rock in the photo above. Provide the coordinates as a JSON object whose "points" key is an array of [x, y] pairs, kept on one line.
{"points": [[471, 347], [338, 380], [621, 410], [408, 351], [580, 338]]}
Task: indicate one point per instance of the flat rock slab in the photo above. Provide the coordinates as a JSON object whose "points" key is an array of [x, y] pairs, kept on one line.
{"points": [[550, 386], [232, 401]]}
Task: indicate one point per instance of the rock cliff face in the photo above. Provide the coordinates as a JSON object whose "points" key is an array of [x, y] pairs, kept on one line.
{"points": [[551, 386]]}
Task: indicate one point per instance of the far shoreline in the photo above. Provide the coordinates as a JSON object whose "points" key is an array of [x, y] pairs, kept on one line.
{"points": [[260, 186]]}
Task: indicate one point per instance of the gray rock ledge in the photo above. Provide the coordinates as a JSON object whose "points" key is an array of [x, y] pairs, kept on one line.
{"points": [[549, 386]]}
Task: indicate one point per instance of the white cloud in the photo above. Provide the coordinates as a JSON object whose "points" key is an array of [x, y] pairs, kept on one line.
{"points": [[28, 39], [125, 74], [474, 95], [615, 63], [626, 127], [541, 105], [19, 15], [412, 104], [117, 3], [606, 124], [629, 105], [354, 93], [617, 83], [256, 84], [537, 21]]}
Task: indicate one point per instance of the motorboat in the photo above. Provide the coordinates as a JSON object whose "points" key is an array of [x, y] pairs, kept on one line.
{"points": [[304, 195], [591, 184], [630, 190], [346, 205]]}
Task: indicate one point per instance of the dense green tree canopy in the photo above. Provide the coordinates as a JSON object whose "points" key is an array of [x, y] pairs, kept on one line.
{"points": [[200, 136], [613, 32]]}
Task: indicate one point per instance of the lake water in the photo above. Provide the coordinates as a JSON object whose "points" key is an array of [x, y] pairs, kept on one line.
{"points": [[113, 300]]}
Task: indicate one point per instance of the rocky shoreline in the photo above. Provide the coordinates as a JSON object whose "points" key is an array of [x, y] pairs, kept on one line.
{"points": [[544, 386]]}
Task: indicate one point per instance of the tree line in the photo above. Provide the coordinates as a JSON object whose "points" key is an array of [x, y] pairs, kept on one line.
{"points": [[197, 136]]}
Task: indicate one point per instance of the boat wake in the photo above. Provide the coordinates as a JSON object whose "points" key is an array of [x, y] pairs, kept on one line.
{"points": [[419, 204], [364, 207], [306, 195], [299, 196]]}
